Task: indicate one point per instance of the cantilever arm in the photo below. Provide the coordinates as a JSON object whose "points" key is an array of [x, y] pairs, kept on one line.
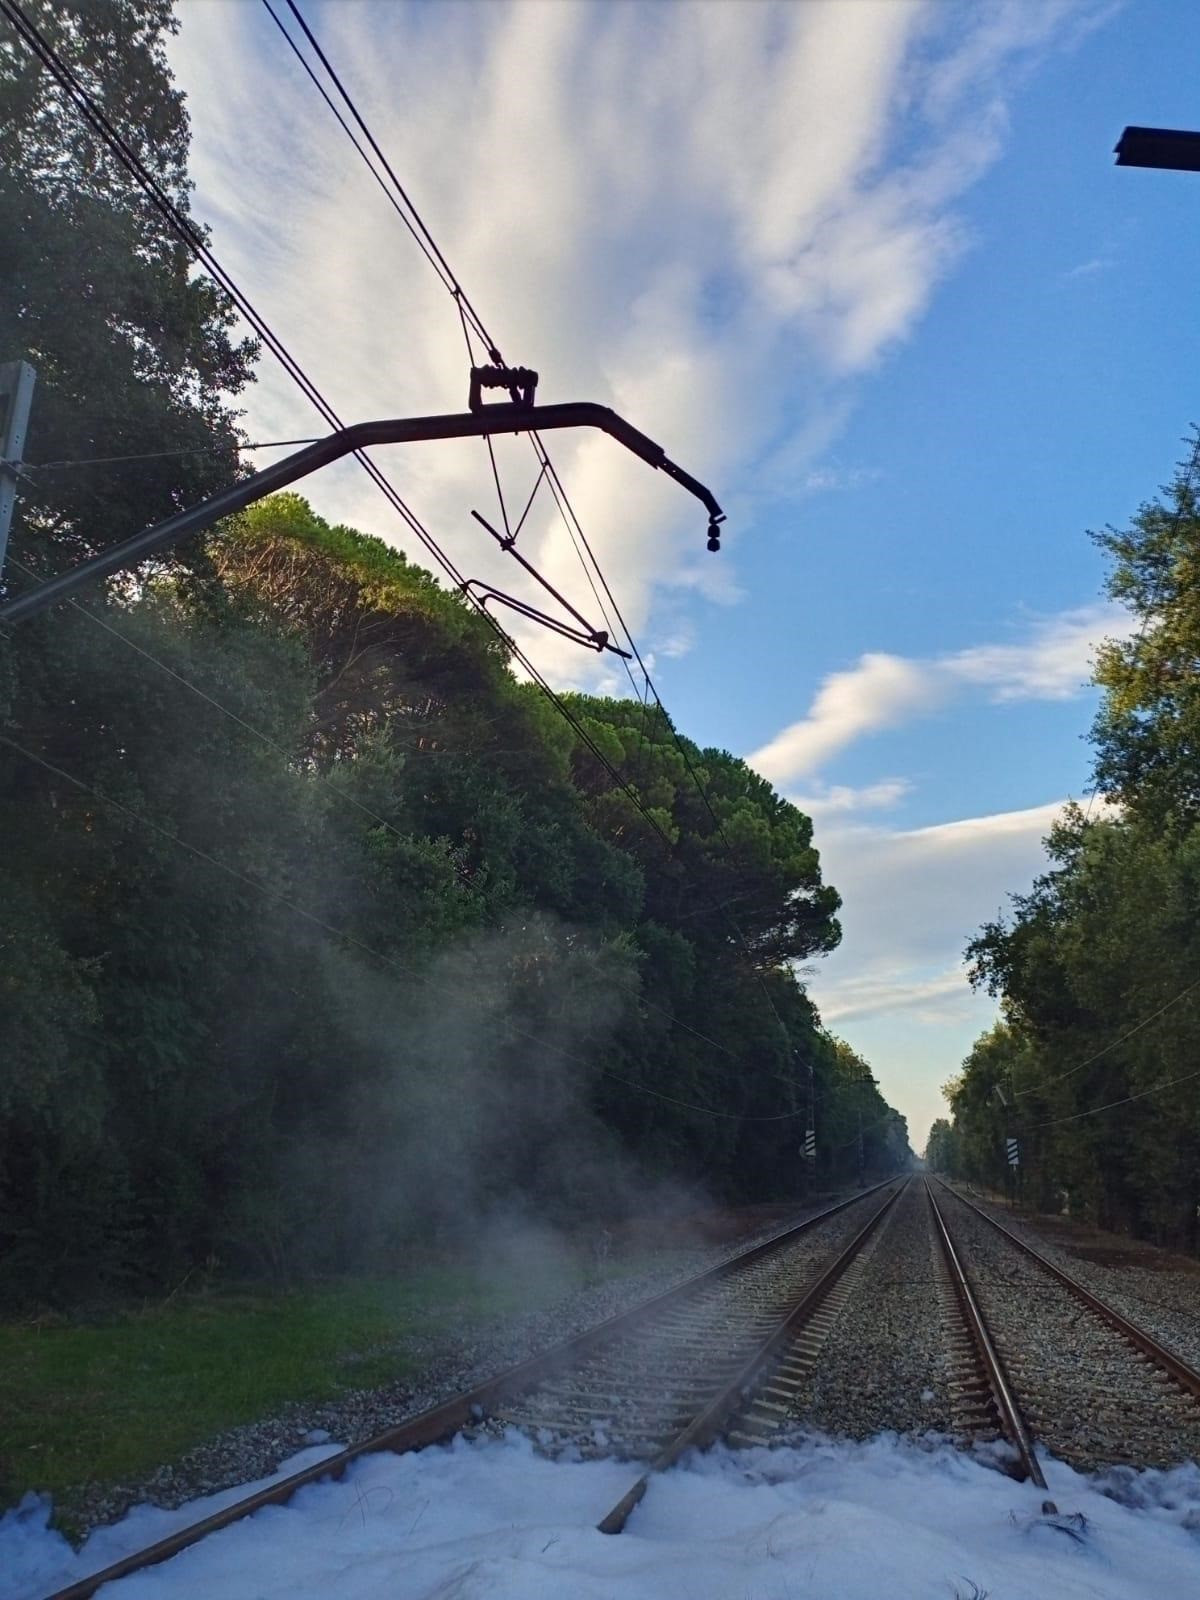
{"points": [[500, 418]]}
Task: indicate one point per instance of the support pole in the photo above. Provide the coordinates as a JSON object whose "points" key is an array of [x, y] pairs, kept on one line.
{"points": [[17, 379]]}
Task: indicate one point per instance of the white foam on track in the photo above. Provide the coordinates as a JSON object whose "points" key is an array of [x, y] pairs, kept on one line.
{"points": [[492, 1520]]}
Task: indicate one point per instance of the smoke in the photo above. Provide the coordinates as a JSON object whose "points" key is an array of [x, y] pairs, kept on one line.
{"points": [[461, 1116]]}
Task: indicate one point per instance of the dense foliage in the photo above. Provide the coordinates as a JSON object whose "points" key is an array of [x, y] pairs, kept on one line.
{"points": [[321, 932], [1096, 967]]}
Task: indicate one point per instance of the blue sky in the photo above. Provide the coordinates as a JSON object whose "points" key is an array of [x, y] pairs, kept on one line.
{"points": [[866, 267]]}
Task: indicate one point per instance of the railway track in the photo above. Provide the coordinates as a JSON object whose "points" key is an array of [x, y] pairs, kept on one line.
{"points": [[682, 1317], [1095, 1388], [733, 1353]]}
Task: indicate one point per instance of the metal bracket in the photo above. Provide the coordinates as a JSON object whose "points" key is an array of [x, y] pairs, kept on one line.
{"points": [[359, 436], [592, 639], [520, 382]]}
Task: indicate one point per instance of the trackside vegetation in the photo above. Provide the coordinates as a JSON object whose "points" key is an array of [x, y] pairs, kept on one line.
{"points": [[1096, 967], [322, 935]]}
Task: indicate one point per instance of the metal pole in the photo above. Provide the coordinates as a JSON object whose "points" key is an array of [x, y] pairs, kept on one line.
{"points": [[17, 379], [360, 436]]}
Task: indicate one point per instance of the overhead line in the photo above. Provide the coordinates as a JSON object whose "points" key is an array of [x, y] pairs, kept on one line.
{"points": [[451, 282], [191, 235], [128, 158], [1045, 1083], [1127, 1100], [158, 455], [546, 464]]}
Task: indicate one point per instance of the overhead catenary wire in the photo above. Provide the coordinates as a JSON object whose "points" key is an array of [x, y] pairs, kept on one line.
{"points": [[1046, 1083], [86, 104], [227, 711], [180, 225], [429, 244], [162, 455], [323, 778], [1126, 1100], [401, 202], [571, 521], [89, 108]]}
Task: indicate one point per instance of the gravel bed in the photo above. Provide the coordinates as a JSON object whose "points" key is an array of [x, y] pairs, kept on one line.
{"points": [[1087, 1396], [883, 1365], [445, 1366], [1163, 1300], [639, 1391]]}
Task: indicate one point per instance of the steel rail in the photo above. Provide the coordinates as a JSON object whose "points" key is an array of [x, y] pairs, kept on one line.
{"points": [[1185, 1376], [1012, 1422], [704, 1428], [442, 1421]]}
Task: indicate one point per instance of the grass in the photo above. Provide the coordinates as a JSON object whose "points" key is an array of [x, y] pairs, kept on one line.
{"points": [[108, 1400]]}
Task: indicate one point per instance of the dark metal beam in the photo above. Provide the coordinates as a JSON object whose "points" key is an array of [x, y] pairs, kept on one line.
{"points": [[1176, 149], [361, 436]]}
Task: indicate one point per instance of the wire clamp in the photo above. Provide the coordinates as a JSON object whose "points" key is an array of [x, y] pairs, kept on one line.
{"points": [[521, 382]]}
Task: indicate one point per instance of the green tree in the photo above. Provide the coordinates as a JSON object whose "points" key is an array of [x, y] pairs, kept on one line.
{"points": [[133, 349]]}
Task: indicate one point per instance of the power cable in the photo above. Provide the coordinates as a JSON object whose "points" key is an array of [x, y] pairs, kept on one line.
{"points": [[1127, 1100], [1045, 1083], [418, 226], [202, 694], [288, 757], [194, 239], [467, 310], [158, 455], [87, 105], [401, 202]]}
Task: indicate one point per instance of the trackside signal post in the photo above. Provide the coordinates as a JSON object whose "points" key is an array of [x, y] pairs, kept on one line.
{"points": [[16, 397]]}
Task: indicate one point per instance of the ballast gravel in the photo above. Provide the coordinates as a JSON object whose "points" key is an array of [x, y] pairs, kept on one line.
{"points": [[446, 1366], [882, 1368], [1087, 1396], [633, 1396], [1163, 1299]]}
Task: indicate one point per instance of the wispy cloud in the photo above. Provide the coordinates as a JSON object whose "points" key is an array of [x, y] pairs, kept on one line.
{"points": [[1089, 269], [930, 1000], [712, 217], [823, 479], [912, 898], [882, 691], [842, 800]]}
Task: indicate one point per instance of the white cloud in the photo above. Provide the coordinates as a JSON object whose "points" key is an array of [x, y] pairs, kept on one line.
{"points": [[911, 900], [913, 897], [831, 477], [1054, 663], [708, 216], [840, 799], [886, 691], [930, 1000], [882, 691], [896, 986], [1089, 269]]}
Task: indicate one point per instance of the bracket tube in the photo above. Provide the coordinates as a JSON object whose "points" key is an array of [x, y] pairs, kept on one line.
{"points": [[499, 418]]}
